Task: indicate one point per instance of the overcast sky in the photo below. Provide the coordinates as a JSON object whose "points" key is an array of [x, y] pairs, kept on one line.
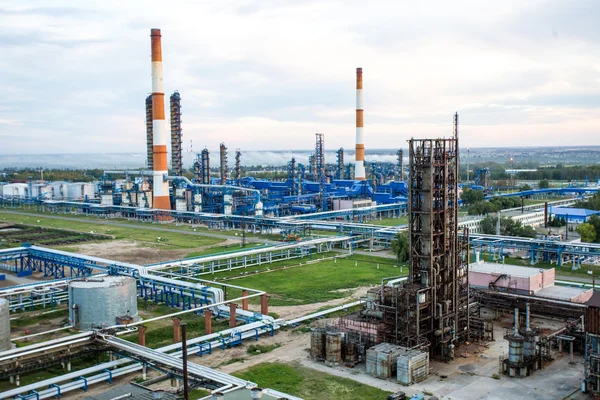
{"points": [[268, 74]]}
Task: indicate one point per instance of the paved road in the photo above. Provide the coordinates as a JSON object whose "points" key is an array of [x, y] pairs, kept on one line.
{"points": [[146, 227]]}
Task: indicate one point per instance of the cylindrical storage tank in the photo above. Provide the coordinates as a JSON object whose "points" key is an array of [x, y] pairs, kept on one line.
{"points": [[515, 351], [98, 302], [529, 346], [333, 347], [106, 199], [317, 344], [350, 356], [4, 325], [74, 191], [89, 190]]}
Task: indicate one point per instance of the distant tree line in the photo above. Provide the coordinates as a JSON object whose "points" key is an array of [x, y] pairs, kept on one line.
{"points": [[74, 175], [563, 173]]}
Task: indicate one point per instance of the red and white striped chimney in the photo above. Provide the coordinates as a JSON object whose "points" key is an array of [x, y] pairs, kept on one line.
{"points": [[359, 166], [159, 127]]}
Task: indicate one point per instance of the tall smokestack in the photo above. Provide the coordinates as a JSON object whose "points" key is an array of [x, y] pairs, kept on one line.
{"points": [[159, 127], [359, 168]]}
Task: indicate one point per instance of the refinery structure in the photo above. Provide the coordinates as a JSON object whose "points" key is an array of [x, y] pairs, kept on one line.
{"points": [[447, 309]]}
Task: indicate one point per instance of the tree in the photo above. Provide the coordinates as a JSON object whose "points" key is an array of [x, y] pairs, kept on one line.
{"points": [[544, 184], [591, 204], [524, 188], [470, 196], [594, 220], [482, 208], [587, 232], [488, 225], [508, 227], [400, 246]]}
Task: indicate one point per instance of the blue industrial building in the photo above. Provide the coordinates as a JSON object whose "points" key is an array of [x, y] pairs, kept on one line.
{"points": [[572, 215]]}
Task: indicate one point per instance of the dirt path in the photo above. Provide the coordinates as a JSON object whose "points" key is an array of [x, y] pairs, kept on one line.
{"points": [[132, 252], [291, 312]]}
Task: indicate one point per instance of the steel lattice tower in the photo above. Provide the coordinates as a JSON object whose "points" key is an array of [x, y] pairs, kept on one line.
{"points": [[205, 167], [176, 141], [319, 155], [149, 134], [400, 164], [238, 165], [339, 173], [223, 163], [438, 261]]}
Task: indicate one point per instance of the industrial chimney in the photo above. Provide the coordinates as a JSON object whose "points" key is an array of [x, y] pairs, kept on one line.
{"points": [[359, 168], [159, 127]]}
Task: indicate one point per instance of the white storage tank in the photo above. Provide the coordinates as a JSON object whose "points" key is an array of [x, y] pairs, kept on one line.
{"points": [[89, 190], [79, 190], [98, 302], [106, 199], [59, 190], [4, 325], [15, 190], [41, 190]]}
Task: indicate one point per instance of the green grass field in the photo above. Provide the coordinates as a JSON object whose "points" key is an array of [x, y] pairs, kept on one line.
{"points": [[160, 333], [403, 220], [176, 226], [308, 384], [168, 240], [318, 282]]}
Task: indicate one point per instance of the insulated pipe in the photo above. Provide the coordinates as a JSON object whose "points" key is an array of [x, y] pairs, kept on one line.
{"points": [[359, 167], [516, 327], [204, 185], [527, 326], [159, 127]]}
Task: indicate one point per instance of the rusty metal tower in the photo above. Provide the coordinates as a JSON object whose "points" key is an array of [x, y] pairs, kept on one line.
{"points": [[341, 169], [237, 171], [438, 259], [205, 167], [149, 135], [223, 163], [319, 156], [176, 142], [400, 164]]}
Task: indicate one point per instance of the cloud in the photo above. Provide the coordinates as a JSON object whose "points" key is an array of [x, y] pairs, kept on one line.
{"points": [[269, 74]]}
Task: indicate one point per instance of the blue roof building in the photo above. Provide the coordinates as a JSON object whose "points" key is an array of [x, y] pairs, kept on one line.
{"points": [[572, 215]]}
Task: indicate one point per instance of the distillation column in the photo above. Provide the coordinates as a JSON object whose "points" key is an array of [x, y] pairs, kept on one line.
{"points": [[149, 134], [176, 142]]}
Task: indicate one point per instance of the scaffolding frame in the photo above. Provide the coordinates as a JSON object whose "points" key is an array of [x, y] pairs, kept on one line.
{"points": [[436, 296]]}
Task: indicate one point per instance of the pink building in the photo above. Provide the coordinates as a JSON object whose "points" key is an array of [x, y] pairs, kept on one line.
{"points": [[529, 280]]}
